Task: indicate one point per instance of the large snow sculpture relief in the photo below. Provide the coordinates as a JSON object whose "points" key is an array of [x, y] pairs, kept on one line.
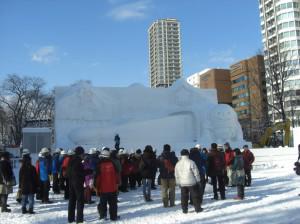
{"points": [[180, 115]]}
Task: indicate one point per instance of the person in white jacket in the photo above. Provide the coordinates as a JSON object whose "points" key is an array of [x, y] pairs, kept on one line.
{"points": [[188, 178]]}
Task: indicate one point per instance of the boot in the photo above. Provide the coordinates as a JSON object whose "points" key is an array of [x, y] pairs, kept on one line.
{"points": [[24, 210], [5, 210], [165, 202], [30, 211]]}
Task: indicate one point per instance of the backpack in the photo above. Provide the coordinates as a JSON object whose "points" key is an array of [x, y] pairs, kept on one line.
{"points": [[218, 163], [169, 166]]}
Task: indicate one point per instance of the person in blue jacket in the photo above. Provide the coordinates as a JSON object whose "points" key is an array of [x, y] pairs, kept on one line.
{"points": [[45, 170], [55, 170]]}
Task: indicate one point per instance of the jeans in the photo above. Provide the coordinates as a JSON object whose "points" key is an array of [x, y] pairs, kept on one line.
{"points": [[147, 188], [28, 198]]}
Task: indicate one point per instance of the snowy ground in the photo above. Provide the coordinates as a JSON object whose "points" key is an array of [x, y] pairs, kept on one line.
{"points": [[273, 198]]}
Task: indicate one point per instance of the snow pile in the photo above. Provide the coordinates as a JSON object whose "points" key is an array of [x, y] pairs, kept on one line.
{"points": [[273, 198]]}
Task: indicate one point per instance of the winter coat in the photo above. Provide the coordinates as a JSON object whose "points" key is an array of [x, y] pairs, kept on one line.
{"points": [[28, 179], [167, 163], [186, 172], [215, 163], [6, 174], [65, 165], [134, 161], [147, 166], [55, 164], [248, 159], [44, 168], [106, 177], [76, 172], [238, 173], [229, 157], [88, 179], [199, 160], [126, 166]]}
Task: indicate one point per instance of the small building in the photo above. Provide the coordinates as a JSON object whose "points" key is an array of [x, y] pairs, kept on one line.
{"points": [[36, 138], [218, 79]]}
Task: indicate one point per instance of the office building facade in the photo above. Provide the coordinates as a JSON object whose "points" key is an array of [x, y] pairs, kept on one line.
{"points": [[249, 96]]}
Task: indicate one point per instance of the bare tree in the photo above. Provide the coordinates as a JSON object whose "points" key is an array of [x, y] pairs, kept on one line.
{"points": [[23, 99], [279, 68]]}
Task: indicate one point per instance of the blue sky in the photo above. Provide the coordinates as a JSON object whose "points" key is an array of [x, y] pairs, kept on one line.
{"points": [[105, 41]]}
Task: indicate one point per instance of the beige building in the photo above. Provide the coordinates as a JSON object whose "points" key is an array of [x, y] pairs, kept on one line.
{"points": [[249, 96], [164, 52], [218, 79]]}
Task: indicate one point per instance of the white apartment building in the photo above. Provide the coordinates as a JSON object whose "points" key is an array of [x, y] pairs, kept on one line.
{"points": [[164, 52], [280, 27], [194, 80]]}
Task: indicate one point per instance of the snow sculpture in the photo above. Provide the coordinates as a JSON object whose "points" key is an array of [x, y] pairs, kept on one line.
{"points": [[180, 115]]}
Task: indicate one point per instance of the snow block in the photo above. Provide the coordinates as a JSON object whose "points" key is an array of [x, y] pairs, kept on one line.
{"points": [[180, 115]]}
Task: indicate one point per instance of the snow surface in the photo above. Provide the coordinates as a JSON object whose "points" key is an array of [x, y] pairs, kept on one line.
{"points": [[273, 198], [180, 115]]}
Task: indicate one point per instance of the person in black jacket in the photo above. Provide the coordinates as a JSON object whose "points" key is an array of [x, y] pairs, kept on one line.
{"points": [[167, 162], [200, 163], [147, 167], [28, 183], [76, 174], [6, 174], [216, 170]]}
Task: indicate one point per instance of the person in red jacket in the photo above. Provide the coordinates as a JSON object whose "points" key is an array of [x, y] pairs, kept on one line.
{"points": [[248, 160], [107, 186], [229, 158], [126, 170], [64, 167]]}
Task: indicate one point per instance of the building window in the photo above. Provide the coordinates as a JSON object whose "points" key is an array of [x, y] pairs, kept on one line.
{"points": [[238, 88], [240, 79]]}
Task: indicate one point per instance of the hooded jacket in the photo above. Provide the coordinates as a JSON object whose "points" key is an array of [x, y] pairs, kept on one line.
{"points": [[186, 172]]}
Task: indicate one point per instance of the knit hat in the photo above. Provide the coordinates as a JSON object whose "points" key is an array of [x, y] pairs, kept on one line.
{"points": [[167, 148], [44, 150], [79, 150], [105, 154], [184, 152], [25, 152], [198, 146]]}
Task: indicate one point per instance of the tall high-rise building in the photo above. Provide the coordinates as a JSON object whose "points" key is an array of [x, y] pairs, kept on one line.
{"points": [[164, 52], [280, 27]]}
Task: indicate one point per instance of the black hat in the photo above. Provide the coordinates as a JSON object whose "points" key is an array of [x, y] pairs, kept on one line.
{"points": [[245, 146], [138, 151], [184, 152], [79, 150], [214, 145], [167, 148]]}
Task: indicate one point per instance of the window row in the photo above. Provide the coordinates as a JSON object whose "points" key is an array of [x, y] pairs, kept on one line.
{"points": [[241, 104], [286, 34], [287, 5], [288, 44], [240, 79], [238, 88], [240, 96], [288, 24], [243, 112], [288, 15]]}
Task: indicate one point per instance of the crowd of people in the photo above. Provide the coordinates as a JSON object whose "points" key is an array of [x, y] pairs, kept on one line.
{"points": [[105, 172]]}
